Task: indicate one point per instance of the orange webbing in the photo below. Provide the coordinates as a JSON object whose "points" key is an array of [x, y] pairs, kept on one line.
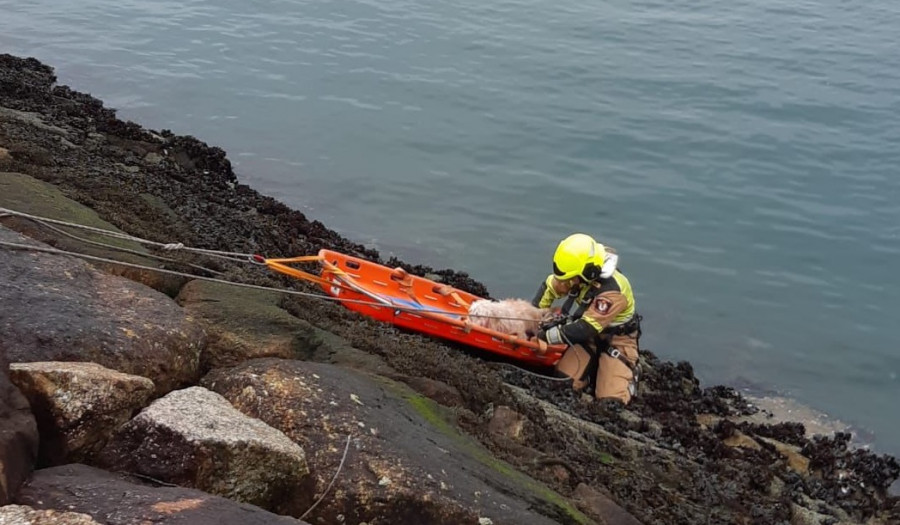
{"points": [[346, 282], [333, 269], [281, 266], [448, 290], [404, 281]]}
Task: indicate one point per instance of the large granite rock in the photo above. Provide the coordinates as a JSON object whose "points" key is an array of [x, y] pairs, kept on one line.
{"points": [[23, 515], [118, 500], [78, 405], [26, 194], [18, 435], [195, 438], [244, 323], [405, 462], [58, 308]]}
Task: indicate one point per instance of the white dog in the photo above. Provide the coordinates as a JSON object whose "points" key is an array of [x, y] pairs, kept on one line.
{"points": [[510, 316]]}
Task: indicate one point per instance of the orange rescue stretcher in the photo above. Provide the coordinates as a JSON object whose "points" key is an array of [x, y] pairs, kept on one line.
{"points": [[408, 301]]}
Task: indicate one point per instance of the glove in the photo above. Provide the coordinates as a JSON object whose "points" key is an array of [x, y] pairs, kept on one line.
{"points": [[552, 335], [555, 319]]}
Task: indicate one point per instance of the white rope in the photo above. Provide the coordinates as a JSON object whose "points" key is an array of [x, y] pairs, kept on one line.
{"points": [[124, 250], [237, 256], [56, 251], [328, 488], [234, 256], [392, 306]]}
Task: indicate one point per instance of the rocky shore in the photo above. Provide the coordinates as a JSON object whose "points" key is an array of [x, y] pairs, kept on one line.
{"points": [[132, 396]]}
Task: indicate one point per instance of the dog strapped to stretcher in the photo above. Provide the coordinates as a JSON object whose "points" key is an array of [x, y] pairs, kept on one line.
{"points": [[408, 301]]}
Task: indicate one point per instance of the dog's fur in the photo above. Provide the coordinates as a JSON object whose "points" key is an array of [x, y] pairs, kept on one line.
{"points": [[510, 316]]}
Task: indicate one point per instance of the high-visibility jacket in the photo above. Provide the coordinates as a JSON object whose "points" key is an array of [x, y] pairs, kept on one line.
{"points": [[597, 310]]}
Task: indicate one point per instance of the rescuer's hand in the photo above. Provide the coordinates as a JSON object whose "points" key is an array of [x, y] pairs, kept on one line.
{"points": [[552, 335]]}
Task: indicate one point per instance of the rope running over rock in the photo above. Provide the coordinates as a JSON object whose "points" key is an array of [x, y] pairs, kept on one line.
{"points": [[234, 256], [333, 479], [30, 247]]}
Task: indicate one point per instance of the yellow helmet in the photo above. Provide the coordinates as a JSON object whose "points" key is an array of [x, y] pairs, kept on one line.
{"points": [[578, 255]]}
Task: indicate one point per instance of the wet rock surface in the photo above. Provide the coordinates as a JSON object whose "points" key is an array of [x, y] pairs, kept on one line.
{"points": [[679, 454], [716, 472], [602, 507]]}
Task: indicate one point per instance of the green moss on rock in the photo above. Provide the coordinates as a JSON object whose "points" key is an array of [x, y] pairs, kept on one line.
{"points": [[26, 194], [245, 323]]}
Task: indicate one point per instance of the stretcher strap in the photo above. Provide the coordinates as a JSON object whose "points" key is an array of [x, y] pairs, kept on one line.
{"points": [[281, 266], [447, 290]]}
